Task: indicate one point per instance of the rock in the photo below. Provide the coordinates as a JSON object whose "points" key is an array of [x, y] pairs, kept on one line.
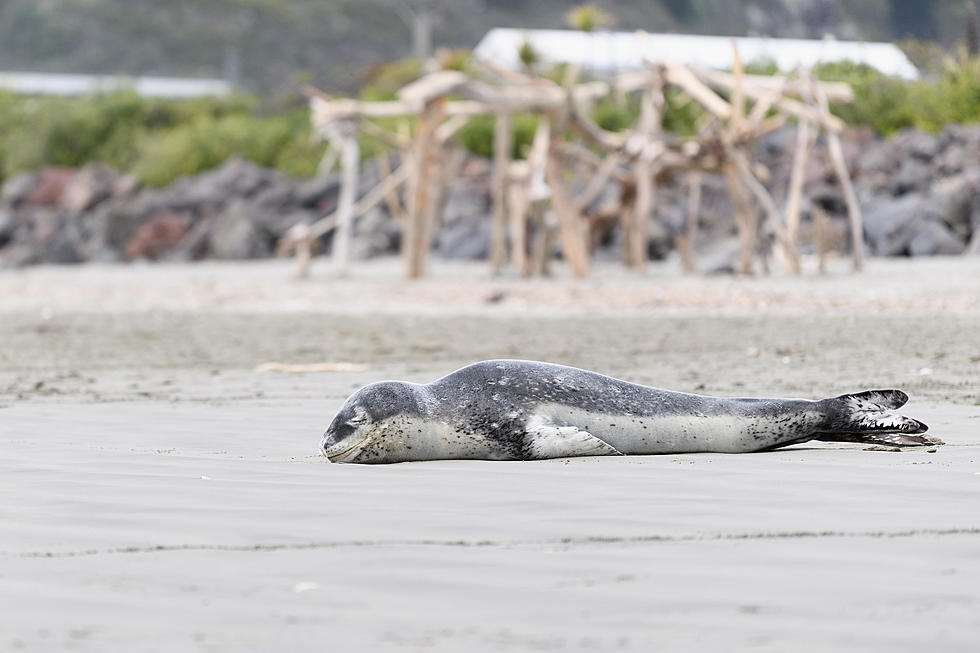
{"points": [[376, 234], [319, 192], [210, 191], [279, 195], [119, 220], [950, 201], [275, 224], [8, 227], [889, 224], [913, 175], [467, 216], [157, 237], [88, 187], [17, 188], [125, 186], [233, 234], [952, 160], [916, 144], [935, 239], [49, 187]]}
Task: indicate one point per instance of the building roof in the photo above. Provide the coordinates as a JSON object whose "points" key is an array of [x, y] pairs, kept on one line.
{"points": [[71, 85], [612, 51]]}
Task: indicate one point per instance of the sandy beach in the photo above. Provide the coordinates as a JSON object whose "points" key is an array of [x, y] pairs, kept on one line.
{"points": [[160, 494]]}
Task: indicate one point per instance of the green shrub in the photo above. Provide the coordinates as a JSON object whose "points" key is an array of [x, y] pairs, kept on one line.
{"points": [[888, 104], [477, 135]]}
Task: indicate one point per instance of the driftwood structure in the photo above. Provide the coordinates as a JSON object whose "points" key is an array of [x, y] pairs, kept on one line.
{"points": [[739, 109]]}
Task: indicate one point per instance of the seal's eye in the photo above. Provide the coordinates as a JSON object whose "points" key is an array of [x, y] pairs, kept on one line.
{"points": [[360, 417]]}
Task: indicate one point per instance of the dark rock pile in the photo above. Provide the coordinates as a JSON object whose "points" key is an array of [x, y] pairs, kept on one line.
{"points": [[920, 195]]}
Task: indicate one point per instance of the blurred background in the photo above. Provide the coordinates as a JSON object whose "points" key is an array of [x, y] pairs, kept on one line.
{"points": [[235, 70]]}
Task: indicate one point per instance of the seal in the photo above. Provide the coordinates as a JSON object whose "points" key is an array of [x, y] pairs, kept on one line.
{"points": [[528, 410]]}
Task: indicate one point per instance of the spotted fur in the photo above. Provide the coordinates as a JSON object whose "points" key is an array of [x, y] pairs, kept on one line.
{"points": [[525, 410]]}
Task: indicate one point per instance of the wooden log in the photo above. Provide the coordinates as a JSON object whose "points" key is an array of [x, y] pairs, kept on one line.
{"points": [[844, 178], [683, 77], [820, 236], [452, 159], [502, 143], [328, 161], [738, 92], [756, 85], [395, 207], [794, 196], [517, 200], [649, 127], [746, 220], [686, 237], [425, 154], [791, 256], [366, 203], [571, 222], [350, 156], [433, 86], [299, 240], [627, 208], [597, 181], [383, 135]]}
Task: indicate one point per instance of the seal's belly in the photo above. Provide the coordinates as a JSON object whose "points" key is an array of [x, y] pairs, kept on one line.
{"points": [[668, 433]]}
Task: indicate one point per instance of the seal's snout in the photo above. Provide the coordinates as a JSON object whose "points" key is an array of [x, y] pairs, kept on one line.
{"points": [[341, 442]]}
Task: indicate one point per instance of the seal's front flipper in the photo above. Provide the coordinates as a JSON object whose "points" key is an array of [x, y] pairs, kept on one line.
{"points": [[867, 417], [546, 441]]}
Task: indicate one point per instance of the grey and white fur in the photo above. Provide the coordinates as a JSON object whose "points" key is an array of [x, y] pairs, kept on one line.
{"points": [[526, 410]]}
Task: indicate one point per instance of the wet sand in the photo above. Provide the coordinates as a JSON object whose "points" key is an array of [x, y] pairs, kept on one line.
{"points": [[160, 494]]}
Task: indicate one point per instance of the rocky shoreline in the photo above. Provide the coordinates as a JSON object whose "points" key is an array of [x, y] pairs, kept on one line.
{"points": [[920, 194]]}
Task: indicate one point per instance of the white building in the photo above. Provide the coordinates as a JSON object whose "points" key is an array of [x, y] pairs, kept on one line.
{"points": [[73, 85], [607, 52]]}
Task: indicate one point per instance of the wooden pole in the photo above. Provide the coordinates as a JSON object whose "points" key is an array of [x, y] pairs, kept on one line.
{"points": [[502, 143], [820, 236], [391, 196], [795, 195], [649, 128], [517, 196], [350, 162], [425, 151], [685, 238], [570, 220], [746, 220], [844, 177], [792, 258]]}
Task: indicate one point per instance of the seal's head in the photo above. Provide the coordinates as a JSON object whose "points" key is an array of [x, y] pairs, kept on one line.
{"points": [[372, 424]]}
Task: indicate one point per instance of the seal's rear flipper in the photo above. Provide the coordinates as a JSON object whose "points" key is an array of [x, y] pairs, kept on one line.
{"points": [[867, 417], [545, 441]]}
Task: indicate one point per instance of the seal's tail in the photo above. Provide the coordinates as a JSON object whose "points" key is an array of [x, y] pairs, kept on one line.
{"points": [[869, 417]]}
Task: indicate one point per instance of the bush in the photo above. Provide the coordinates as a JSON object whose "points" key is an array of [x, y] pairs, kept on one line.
{"points": [[888, 104], [159, 140]]}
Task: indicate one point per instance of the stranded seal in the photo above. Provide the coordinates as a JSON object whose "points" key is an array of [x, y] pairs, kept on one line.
{"points": [[526, 410]]}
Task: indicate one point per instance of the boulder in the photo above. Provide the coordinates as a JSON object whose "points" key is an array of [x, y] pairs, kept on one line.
{"points": [[8, 226], [912, 143], [934, 238], [319, 192], [49, 187], [376, 234], [18, 188], [950, 200], [913, 175], [233, 234], [156, 237], [88, 187], [890, 223]]}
